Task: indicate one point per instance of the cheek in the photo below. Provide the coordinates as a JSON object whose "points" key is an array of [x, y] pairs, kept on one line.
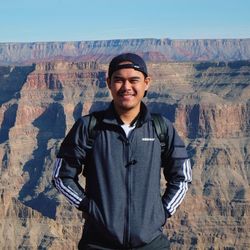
{"points": [[114, 90], [141, 89], [111, 87]]}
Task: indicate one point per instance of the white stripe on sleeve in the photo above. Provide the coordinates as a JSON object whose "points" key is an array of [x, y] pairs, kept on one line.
{"points": [[68, 192], [183, 187]]}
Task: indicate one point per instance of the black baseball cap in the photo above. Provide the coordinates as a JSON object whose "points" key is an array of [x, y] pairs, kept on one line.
{"points": [[137, 63]]}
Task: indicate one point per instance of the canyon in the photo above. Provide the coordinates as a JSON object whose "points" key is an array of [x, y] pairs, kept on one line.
{"points": [[208, 102], [154, 50]]}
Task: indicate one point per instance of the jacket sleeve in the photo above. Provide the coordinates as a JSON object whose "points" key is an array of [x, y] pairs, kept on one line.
{"points": [[177, 171], [68, 166]]}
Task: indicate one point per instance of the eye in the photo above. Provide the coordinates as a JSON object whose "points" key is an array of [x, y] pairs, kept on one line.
{"points": [[134, 80], [118, 80]]}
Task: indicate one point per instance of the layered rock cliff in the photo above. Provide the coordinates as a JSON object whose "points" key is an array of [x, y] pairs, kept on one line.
{"points": [[209, 104], [154, 50]]}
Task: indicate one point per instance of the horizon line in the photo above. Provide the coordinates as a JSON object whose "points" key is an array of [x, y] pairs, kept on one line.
{"points": [[98, 40]]}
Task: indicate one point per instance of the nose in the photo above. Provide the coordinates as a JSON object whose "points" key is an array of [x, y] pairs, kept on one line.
{"points": [[126, 84]]}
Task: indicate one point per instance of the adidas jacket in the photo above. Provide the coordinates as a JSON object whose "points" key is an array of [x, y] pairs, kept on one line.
{"points": [[122, 195]]}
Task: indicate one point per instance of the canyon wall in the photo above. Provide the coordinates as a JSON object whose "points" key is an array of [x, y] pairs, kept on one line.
{"points": [[154, 50], [209, 104]]}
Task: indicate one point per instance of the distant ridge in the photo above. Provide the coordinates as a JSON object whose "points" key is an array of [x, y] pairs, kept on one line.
{"points": [[153, 50]]}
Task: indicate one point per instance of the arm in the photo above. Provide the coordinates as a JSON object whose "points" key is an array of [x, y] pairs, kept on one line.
{"points": [[68, 166], [177, 172]]}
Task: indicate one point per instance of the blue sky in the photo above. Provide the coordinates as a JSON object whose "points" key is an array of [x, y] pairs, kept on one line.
{"points": [[80, 20]]}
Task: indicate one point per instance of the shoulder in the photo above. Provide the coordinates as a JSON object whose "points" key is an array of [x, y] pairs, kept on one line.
{"points": [[83, 120], [91, 117], [161, 119], [163, 126]]}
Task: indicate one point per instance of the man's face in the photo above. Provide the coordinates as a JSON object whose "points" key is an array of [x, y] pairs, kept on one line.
{"points": [[127, 87]]}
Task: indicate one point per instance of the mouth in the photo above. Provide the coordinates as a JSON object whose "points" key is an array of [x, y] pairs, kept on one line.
{"points": [[126, 94]]}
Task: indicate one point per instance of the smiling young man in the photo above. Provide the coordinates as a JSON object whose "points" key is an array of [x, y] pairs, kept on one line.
{"points": [[128, 86], [121, 201]]}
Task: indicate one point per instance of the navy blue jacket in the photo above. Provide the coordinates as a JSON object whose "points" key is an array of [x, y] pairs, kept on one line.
{"points": [[122, 196]]}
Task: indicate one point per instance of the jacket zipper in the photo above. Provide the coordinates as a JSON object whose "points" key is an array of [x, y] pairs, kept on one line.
{"points": [[128, 201]]}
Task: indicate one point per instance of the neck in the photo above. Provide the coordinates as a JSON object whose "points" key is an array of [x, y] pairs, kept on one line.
{"points": [[128, 116]]}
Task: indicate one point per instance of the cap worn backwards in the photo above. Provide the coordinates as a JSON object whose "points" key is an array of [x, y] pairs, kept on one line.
{"points": [[137, 63]]}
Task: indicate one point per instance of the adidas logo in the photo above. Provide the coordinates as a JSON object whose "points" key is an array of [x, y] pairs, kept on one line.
{"points": [[148, 139]]}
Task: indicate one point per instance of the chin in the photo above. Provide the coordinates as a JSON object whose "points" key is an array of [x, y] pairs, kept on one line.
{"points": [[126, 106]]}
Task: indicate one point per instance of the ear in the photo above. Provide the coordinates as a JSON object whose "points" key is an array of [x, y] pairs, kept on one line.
{"points": [[147, 81], [108, 81]]}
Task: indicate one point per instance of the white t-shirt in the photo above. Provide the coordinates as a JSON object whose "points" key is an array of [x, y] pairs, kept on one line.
{"points": [[128, 128]]}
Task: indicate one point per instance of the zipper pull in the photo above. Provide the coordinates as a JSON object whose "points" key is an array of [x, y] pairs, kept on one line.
{"points": [[130, 163]]}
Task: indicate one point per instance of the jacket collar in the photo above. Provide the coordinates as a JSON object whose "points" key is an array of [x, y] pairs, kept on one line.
{"points": [[111, 117]]}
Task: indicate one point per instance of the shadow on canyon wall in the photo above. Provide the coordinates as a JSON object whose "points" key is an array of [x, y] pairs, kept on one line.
{"points": [[51, 125], [8, 122], [12, 80]]}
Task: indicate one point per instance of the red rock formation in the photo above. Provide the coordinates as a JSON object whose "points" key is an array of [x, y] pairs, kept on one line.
{"points": [[209, 105]]}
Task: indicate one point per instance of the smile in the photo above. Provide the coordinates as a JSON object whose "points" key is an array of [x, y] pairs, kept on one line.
{"points": [[126, 94]]}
